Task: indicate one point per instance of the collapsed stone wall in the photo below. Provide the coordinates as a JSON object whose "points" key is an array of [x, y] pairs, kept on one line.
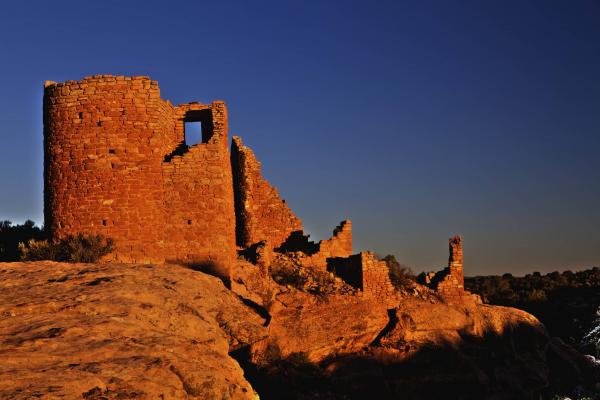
{"points": [[366, 273], [116, 163], [349, 269], [376, 277], [449, 283], [198, 194], [260, 212], [338, 245]]}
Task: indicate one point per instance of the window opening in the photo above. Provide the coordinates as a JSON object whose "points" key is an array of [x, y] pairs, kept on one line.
{"points": [[193, 133]]}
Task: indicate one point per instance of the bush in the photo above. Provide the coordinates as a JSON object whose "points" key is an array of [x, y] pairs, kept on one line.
{"points": [[86, 249], [77, 249], [593, 336], [37, 250], [536, 296], [11, 235], [321, 284], [400, 274], [306, 279], [288, 275], [565, 302]]}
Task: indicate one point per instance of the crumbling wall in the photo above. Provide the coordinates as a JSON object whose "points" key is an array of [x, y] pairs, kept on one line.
{"points": [[339, 245], [260, 212], [198, 191], [376, 277], [349, 269], [365, 272], [449, 282], [116, 164]]}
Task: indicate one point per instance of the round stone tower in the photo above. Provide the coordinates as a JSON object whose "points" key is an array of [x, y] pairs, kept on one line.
{"points": [[116, 163]]}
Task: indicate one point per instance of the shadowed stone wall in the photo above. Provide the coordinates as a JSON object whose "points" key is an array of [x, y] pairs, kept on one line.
{"points": [[261, 213]]}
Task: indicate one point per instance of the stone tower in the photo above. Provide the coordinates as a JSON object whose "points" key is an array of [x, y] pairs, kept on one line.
{"points": [[455, 258], [117, 163]]}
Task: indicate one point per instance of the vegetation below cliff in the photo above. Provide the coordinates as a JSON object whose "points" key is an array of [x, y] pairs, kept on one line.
{"points": [[566, 303]]}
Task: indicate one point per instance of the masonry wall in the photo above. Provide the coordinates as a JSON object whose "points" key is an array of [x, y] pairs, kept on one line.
{"points": [[376, 278], [115, 164], [260, 212], [450, 282], [365, 272], [349, 269], [338, 245], [198, 190]]}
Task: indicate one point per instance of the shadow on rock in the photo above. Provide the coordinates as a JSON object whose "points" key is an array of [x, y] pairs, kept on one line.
{"points": [[508, 366]]}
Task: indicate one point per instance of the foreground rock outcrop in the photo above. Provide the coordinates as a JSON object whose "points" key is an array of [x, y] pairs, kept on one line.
{"points": [[109, 331], [102, 331], [327, 342]]}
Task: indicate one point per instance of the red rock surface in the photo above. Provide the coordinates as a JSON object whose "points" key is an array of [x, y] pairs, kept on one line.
{"points": [[107, 331]]}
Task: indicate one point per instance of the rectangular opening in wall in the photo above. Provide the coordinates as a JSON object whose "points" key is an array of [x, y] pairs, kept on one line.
{"points": [[193, 133], [198, 126]]}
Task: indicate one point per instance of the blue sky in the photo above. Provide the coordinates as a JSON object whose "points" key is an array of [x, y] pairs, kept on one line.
{"points": [[416, 119]]}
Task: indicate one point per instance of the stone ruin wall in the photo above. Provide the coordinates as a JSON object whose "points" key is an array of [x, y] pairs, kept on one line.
{"points": [[366, 273], [198, 190], [111, 168], [451, 282], [337, 246], [116, 163], [376, 277], [261, 213], [349, 269]]}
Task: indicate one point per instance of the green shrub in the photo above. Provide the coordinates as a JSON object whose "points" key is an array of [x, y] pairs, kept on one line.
{"points": [[77, 249]]}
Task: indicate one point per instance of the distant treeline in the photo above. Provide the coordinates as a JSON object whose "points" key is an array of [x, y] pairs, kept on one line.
{"points": [[566, 303], [11, 235], [28, 242]]}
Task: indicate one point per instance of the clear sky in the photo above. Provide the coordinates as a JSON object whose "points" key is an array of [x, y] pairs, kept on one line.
{"points": [[416, 119]]}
